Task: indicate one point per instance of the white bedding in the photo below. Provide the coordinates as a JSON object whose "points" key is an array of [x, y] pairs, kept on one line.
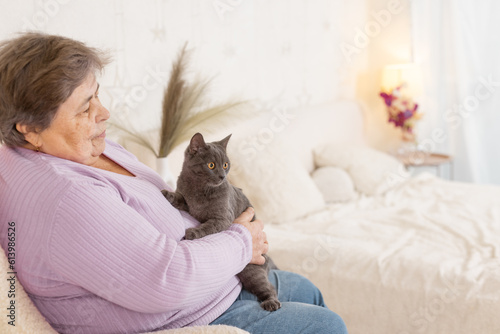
{"points": [[422, 258]]}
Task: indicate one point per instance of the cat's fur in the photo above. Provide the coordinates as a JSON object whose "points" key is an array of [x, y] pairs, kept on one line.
{"points": [[204, 191]]}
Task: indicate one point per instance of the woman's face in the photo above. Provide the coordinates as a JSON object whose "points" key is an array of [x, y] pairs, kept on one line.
{"points": [[78, 129]]}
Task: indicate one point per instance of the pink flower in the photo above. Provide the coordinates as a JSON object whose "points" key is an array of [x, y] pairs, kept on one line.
{"points": [[387, 98], [402, 111]]}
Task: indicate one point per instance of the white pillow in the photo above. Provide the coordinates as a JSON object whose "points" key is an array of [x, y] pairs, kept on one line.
{"points": [[276, 183], [373, 172], [334, 183]]}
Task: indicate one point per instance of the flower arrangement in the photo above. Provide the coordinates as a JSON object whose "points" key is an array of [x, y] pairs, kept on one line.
{"points": [[402, 112]]}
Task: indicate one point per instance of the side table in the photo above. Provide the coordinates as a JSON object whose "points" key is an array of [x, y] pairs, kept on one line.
{"points": [[416, 159]]}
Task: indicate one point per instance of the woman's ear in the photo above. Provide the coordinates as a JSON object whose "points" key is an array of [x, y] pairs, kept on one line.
{"points": [[30, 135]]}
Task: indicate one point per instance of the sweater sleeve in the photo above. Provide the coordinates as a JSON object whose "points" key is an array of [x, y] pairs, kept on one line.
{"points": [[103, 245]]}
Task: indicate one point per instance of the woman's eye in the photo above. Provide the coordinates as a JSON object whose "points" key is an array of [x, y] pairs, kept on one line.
{"points": [[211, 165], [225, 165]]}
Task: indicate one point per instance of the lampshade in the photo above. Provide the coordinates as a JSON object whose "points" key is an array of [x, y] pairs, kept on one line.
{"points": [[398, 74]]}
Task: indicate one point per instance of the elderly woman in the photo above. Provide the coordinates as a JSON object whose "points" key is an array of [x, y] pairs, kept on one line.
{"points": [[98, 248]]}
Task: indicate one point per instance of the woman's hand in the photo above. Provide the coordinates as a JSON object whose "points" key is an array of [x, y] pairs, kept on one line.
{"points": [[259, 239]]}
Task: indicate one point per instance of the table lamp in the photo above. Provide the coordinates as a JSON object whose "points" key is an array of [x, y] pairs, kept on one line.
{"points": [[407, 75]]}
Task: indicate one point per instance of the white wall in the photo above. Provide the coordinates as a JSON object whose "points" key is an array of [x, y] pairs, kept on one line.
{"points": [[280, 52]]}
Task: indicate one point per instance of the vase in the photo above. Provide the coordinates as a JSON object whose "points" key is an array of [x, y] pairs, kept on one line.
{"points": [[163, 170], [408, 136], [408, 143]]}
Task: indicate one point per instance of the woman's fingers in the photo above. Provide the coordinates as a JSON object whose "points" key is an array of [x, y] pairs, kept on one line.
{"points": [[260, 245]]}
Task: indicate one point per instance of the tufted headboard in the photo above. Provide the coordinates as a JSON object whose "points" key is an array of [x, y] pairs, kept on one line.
{"points": [[339, 122], [303, 129]]}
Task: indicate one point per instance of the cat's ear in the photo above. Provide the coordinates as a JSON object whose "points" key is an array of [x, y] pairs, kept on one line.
{"points": [[224, 141], [196, 143]]}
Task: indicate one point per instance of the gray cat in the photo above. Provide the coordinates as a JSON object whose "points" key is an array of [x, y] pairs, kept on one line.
{"points": [[204, 191]]}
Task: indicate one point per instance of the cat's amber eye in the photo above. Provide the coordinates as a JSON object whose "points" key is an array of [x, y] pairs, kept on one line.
{"points": [[211, 165], [225, 165]]}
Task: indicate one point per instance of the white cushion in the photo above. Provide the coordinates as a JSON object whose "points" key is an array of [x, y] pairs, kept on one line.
{"points": [[274, 180], [334, 183], [373, 172]]}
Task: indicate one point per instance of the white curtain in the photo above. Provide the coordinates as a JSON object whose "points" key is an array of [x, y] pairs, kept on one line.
{"points": [[457, 43]]}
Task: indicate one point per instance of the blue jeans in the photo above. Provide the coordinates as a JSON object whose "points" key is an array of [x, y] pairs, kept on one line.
{"points": [[302, 309]]}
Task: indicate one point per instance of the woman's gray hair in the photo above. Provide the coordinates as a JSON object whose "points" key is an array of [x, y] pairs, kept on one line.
{"points": [[38, 72]]}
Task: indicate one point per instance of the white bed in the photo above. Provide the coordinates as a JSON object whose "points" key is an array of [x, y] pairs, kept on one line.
{"points": [[394, 254], [423, 258]]}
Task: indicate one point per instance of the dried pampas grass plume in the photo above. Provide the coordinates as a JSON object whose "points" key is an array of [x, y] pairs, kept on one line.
{"points": [[183, 112]]}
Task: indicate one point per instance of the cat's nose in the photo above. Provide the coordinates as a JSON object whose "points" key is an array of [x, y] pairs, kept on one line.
{"points": [[222, 177]]}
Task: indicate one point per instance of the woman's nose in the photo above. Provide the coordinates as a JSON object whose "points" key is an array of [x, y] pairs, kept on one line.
{"points": [[102, 113]]}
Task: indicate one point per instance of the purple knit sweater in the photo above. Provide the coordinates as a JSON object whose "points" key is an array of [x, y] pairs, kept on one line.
{"points": [[100, 252]]}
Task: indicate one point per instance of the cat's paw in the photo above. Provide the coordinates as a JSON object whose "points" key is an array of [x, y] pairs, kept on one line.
{"points": [[169, 195], [270, 305], [193, 233]]}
